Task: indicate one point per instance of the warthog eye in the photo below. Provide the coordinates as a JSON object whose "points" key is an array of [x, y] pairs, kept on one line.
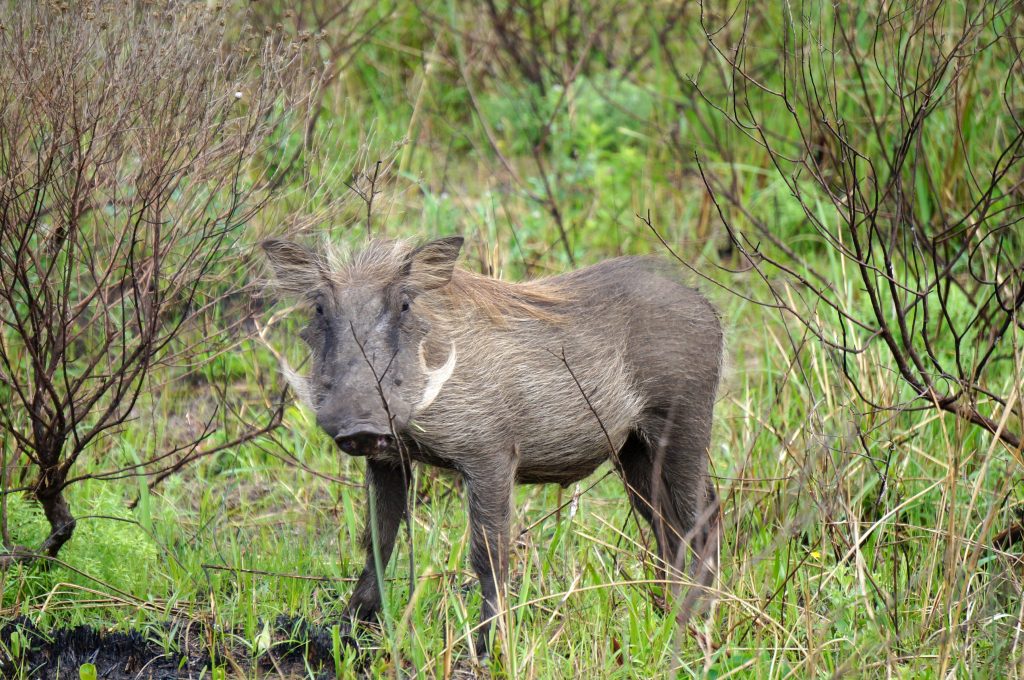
{"points": [[320, 309], [405, 305]]}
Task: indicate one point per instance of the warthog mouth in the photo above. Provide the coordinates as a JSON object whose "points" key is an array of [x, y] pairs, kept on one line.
{"points": [[364, 440]]}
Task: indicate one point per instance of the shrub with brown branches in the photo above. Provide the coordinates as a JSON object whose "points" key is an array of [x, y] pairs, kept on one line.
{"points": [[900, 164], [130, 143]]}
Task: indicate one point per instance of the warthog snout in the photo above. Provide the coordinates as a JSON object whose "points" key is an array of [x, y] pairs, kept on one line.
{"points": [[364, 440]]}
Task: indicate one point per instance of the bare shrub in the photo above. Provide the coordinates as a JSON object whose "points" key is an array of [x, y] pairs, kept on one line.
{"points": [[539, 57], [337, 28], [129, 140], [550, 43], [865, 163], [903, 165]]}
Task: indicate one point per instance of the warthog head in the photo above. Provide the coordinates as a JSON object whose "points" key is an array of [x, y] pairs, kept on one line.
{"points": [[369, 373]]}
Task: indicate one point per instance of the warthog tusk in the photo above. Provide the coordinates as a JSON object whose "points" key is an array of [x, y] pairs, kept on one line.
{"points": [[435, 378]]}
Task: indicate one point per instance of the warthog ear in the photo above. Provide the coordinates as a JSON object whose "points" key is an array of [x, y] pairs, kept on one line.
{"points": [[430, 266], [296, 268]]}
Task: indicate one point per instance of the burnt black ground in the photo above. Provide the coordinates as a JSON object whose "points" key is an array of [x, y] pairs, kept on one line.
{"points": [[58, 654]]}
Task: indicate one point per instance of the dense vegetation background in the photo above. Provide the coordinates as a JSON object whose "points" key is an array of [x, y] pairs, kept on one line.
{"points": [[843, 180]]}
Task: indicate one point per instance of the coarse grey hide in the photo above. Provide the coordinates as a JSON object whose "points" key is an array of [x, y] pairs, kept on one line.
{"points": [[415, 359]]}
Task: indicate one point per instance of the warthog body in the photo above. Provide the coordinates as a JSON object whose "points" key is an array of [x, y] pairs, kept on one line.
{"points": [[533, 382]]}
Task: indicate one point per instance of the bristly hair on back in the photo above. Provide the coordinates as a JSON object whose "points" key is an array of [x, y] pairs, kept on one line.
{"points": [[377, 261], [381, 261], [501, 301]]}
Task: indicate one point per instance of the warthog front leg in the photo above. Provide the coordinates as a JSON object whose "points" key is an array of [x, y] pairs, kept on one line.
{"points": [[490, 514], [388, 486]]}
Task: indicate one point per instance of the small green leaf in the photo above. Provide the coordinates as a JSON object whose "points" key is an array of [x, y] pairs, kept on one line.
{"points": [[263, 641], [87, 671], [18, 644], [336, 649]]}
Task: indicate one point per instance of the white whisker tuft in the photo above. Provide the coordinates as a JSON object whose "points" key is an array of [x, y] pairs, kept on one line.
{"points": [[299, 384]]}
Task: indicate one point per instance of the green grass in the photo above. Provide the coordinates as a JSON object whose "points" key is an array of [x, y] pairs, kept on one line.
{"points": [[857, 542]]}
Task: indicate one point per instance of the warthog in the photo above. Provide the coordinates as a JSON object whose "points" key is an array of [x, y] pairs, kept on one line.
{"points": [[534, 382]]}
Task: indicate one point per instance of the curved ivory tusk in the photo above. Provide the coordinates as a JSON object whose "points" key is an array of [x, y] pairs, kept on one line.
{"points": [[435, 378]]}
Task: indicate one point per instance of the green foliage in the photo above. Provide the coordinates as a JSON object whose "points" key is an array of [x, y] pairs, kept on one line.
{"points": [[857, 541], [111, 548]]}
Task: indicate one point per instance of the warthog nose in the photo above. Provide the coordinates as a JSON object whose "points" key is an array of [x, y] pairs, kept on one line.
{"points": [[364, 441]]}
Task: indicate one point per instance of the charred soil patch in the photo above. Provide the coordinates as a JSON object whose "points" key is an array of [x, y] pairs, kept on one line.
{"points": [[296, 648]]}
